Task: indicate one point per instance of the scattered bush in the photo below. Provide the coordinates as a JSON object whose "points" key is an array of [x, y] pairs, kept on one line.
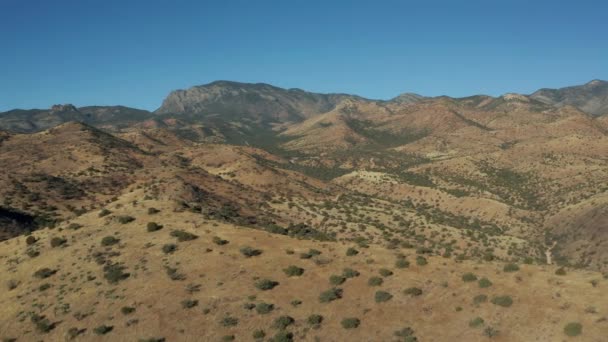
{"points": [[482, 298], [382, 296], [330, 295], [30, 240], [469, 277], [189, 303], [103, 329], [153, 226], [114, 273], [351, 252], [266, 284], [169, 248], [264, 308], [336, 279], [560, 271], [476, 322], [229, 321], [421, 261], [44, 273], [58, 242], [484, 283], [283, 322], [104, 212], [109, 241], [152, 211], [44, 287], [504, 301], [406, 335], [282, 336], [311, 252], [183, 235], [219, 241], [293, 271], [350, 273], [350, 323], [375, 281], [413, 291], [402, 263], [42, 324], [127, 310], [511, 267], [258, 334], [314, 319], [249, 252], [385, 272], [125, 219], [573, 329], [490, 332]]}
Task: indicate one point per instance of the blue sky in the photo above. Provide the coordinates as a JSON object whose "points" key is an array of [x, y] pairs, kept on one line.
{"points": [[133, 53]]}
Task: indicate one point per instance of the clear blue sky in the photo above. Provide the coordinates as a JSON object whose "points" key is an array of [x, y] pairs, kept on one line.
{"points": [[134, 52]]}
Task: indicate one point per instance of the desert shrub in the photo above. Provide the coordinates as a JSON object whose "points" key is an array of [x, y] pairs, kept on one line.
{"points": [[490, 332], [104, 212], [44, 287], [32, 253], [249, 252], [152, 211], [264, 308], [248, 306], [330, 295], [30, 240], [511, 268], [282, 336], [311, 253], [484, 283], [12, 284], [375, 281], [314, 319], [127, 310], [44, 273], [293, 271], [153, 339], [504, 301], [421, 261], [336, 279], [189, 303], [402, 263], [382, 296], [351, 251], [125, 219], [350, 323], [283, 322], [258, 334], [406, 335], [573, 329], [350, 273], [560, 271], [228, 338], [482, 298], [183, 235], [476, 322], [229, 321], [74, 226], [469, 277], [114, 273], [42, 324], [385, 272], [169, 248], [153, 226], [109, 241], [266, 284], [58, 242], [219, 241], [174, 274], [413, 291], [103, 329]]}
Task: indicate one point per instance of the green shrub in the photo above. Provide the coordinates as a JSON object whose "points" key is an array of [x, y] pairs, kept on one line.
{"points": [[283, 322], [127, 310], [311, 252], [189, 303], [229, 321], [375, 281], [330, 295], [169, 248], [152, 211], [573, 329], [109, 241], [350, 273], [249, 252], [114, 273], [293, 271], [282, 336], [183, 235], [490, 332], [560, 271], [476, 322], [350, 323], [258, 334], [504, 301], [511, 267], [42, 324], [153, 226], [104, 212], [382, 296], [228, 338], [264, 308], [421, 261], [469, 277], [482, 298], [58, 242], [266, 284], [413, 291], [44, 287], [385, 272], [125, 219], [402, 263], [103, 329], [406, 335], [314, 319], [30, 240], [336, 279], [351, 252], [484, 283], [44, 273], [219, 241]]}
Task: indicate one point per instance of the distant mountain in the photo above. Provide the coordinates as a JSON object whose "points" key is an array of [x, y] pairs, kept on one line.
{"points": [[407, 98], [257, 101], [591, 98]]}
